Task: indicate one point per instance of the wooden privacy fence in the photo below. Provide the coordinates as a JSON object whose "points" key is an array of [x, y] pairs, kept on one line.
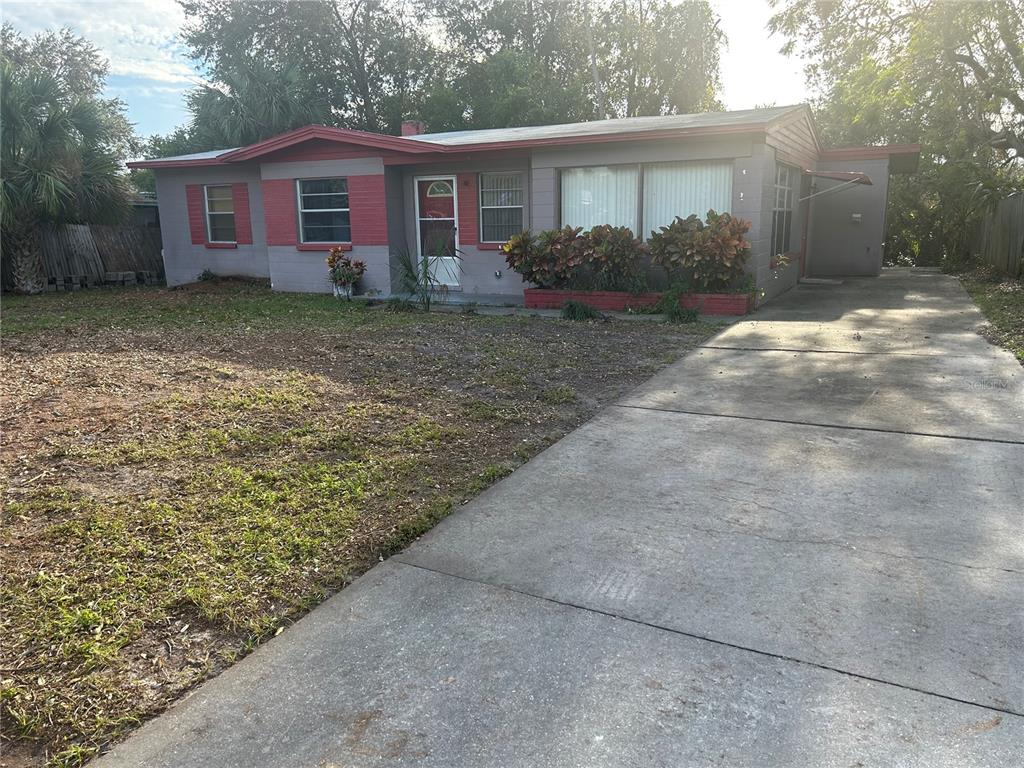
{"points": [[80, 255], [1000, 237]]}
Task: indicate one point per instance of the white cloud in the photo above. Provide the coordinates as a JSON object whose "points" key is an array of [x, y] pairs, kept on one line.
{"points": [[139, 37], [149, 66]]}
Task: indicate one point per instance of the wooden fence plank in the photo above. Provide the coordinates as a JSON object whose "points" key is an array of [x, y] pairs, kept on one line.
{"points": [[999, 240]]}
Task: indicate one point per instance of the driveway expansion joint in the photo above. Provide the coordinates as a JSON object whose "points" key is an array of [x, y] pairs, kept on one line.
{"points": [[820, 425], [706, 639], [816, 351]]}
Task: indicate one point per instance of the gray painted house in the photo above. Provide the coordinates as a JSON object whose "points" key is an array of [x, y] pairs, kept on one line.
{"points": [[273, 209]]}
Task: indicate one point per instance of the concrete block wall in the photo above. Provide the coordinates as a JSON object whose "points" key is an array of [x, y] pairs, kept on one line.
{"points": [[306, 271], [302, 268], [185, 261]]}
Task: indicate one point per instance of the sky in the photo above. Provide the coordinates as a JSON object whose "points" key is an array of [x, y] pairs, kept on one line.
{"points": [[150, 69]]}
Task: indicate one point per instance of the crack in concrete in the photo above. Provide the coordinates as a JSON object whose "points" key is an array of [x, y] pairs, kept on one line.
{"points": [[704, 638], [880, 430]]}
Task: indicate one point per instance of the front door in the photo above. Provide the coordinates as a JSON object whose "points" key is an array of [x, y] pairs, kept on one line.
{"points": [[437, 232]]}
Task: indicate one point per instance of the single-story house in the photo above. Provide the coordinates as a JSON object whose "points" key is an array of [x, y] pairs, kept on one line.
{"points": [[273, 209]]}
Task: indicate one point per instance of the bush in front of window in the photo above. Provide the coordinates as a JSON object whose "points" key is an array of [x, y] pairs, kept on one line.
{"points": [[549, 260], [615, 260], [709, 255], [606, 258]]}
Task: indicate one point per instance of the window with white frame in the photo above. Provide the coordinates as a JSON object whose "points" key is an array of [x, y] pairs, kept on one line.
{"points": [[220, 214], [782, 208], [324, 211], [501, 206]]}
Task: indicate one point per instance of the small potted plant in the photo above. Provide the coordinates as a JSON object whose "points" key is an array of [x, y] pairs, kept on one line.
{"points": [[344, 272]]}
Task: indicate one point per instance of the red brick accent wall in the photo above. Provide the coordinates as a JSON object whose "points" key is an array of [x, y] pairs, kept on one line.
{"points": [[368, 210], [279, 211], [243, 219], [196, 212], [468, 196]]}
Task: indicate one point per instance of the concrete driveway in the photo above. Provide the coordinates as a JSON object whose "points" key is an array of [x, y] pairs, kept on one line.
{"points": [[799, 546]]}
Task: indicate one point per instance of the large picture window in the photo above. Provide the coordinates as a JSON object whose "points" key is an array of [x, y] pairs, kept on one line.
{"points": [[600, 195], [501, 206], [324, 211], [782, 209], [679, 189], [646, 197], [220, 214]]}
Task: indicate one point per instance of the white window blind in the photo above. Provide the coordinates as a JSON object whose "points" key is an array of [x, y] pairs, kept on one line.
{"points": [[602, 195], [679, 189]]}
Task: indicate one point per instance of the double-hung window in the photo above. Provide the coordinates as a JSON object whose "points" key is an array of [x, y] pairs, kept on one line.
{"points": [[782, 209], [324, 211], [501, 206], [220, 214]]}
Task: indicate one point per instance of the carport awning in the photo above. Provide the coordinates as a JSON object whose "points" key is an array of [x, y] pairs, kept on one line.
{"points": [[851, 177]]}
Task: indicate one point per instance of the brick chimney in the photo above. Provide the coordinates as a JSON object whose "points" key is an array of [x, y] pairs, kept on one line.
{"points": [[413, 127]]}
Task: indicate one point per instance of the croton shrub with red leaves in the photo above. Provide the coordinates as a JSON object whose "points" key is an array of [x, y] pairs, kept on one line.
{"points": [[605, 258], [709, 255]]}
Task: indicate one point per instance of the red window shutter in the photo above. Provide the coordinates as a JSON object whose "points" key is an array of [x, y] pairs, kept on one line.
{"points": [[279, 211], [196, 212], [368, 210], [468, 197], [243, 219]]}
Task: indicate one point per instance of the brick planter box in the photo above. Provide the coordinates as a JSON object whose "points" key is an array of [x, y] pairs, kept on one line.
{"points": [[620, 301]]}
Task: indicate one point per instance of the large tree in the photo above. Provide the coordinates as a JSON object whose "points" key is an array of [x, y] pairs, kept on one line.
{"points": [[949, 75], [364, 58], [659, 57], [452, 63], [61, 145]]}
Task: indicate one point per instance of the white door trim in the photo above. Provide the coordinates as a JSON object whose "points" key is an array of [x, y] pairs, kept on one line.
{"points": [[455, 216]]}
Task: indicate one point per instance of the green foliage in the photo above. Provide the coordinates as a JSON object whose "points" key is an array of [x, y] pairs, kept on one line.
{"points": [[417, 275], [659, 57], [548, 261], [60, 148], [453, 64], [669, 306], [606, 258], [947, 75], [577, 310], [344, 272], [614, 260], [710, 256]]}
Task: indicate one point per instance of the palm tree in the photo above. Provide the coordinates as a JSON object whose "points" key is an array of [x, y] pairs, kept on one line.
{"points": [[56, 165], [252, 103]]}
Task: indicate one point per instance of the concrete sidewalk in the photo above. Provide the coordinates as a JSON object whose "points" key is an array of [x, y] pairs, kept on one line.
{"points": [[799, 546]]}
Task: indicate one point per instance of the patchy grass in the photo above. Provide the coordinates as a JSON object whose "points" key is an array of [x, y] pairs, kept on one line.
{"points": [[186, 472], [1001, 299]]}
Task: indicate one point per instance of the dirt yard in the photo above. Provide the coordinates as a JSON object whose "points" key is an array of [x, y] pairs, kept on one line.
{"points": [[186, 472]]}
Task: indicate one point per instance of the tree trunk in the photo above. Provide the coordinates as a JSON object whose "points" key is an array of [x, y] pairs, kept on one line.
{"points": [[21, 248]]}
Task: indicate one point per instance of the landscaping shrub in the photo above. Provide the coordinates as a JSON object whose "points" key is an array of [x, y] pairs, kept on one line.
{"points": [[606, 258], [548, 261], [577, 310], [709, 255], [614, 260]]}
